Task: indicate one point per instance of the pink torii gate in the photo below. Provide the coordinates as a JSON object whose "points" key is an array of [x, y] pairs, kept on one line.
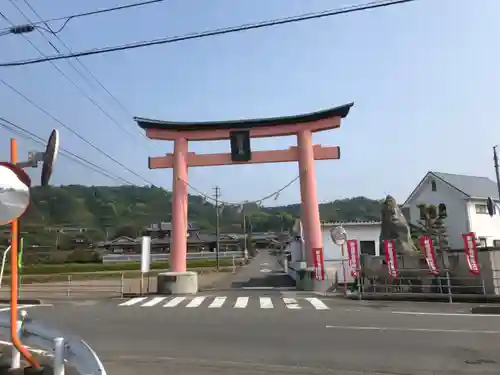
{"points": [[305, 153]]}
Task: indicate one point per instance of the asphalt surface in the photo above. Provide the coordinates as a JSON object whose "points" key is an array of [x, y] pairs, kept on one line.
{"points": [[350, 337], [263, 272]]}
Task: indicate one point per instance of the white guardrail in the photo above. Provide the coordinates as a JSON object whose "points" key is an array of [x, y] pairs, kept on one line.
{"points": [[117, 258], [61, 346]]}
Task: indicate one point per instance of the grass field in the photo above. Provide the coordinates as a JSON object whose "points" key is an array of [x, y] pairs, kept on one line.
{"points": [[94, 271]]}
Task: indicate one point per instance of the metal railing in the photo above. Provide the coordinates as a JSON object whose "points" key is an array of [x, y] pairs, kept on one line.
{"points": [[49, 342], [159, 257], [74, 287], [421, 284], [452, 283], [102, 285]]}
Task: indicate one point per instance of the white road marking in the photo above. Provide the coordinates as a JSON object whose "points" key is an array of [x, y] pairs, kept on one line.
{"points": [[291, 303], [266, 303], [20, 307], [217, 302], [258, 287], [196, 301], [264, 264], [174, 301], [265, 270], [443, 314], [402, 329], [241, 302], [153, 302], [133, 301], [317, 303]]}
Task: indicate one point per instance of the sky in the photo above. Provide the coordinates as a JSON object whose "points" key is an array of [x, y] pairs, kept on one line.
{"points": [[424, 78]]}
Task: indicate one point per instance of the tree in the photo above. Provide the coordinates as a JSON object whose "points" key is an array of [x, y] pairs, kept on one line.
{"points": [[432, 224]]}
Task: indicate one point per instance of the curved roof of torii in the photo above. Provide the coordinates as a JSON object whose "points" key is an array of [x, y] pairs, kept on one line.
{"points": [[340, 111]]}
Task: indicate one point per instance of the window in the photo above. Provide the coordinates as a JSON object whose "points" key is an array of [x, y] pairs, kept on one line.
{"points": [[442, 210], [433, 185], [496, 243], [367, 247], [482, 242], [481, 209], [422, 212]]}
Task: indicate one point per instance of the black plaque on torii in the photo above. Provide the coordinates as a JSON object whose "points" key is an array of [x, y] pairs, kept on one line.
{"points": [[240, 145]]}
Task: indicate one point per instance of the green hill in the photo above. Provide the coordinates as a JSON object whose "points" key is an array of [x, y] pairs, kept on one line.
{"points": [[107, 211]]}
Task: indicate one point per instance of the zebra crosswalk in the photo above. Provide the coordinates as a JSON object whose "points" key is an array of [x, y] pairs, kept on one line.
{"points": [[217, 302]]}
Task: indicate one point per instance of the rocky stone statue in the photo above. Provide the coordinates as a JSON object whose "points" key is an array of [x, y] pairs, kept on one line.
{"points": [[395, 227]]}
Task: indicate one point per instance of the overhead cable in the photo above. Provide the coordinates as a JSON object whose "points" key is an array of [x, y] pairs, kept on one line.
{"points": [[68, 78], [26, 134], [74, 132], [85, 67], [274, 194], [220, 31], [66, 19]]}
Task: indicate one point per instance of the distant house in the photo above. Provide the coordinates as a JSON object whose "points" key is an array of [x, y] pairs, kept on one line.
{"points": [[464, 199], [164, 229]]}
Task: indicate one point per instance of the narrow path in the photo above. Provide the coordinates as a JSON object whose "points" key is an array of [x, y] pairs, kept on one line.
{"points": [[263, 272]]}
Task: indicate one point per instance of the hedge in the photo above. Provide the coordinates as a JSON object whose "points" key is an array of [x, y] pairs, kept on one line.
{"points": [[48, 269]]}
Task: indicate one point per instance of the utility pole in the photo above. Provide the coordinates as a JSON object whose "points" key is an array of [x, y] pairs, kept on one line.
{"points": [[217, 226], [495, 160], [245, 232]]}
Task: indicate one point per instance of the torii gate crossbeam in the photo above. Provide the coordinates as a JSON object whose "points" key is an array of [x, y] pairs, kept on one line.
{"points": [[305, 153]]}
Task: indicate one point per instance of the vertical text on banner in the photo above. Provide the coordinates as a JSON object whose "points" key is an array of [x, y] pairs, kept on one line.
{"points": [[390, 258], [319, 263], [353, 257], [429, 254], [470, 249]]}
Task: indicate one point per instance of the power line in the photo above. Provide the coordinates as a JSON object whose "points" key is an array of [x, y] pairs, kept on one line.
{"points": [[74, 16], [24, 133], [275, 194], [68, 128], [71, 81], [115, 99], [221, 31]]}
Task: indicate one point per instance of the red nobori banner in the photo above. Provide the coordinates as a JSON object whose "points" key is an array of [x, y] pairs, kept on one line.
{"points": [[390, 258], [429, 253], [353, 257], [319, 263], [470, 248]]}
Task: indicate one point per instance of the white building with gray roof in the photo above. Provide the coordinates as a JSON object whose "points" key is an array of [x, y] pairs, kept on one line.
{"points": [[464, 198]]}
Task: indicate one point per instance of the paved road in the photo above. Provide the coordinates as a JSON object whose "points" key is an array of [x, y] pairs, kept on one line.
{"points": [[349, 338], [263, 272]]}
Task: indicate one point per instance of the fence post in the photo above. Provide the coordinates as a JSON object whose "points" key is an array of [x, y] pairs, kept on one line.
{"points": [[122, 284], [360, 285], [68, 287], [483, 285], [58, 361], [448, 283], [15, 361]]}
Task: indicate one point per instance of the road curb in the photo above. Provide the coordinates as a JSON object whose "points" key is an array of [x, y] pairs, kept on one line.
{"points": [[493, 310], [26, 301]]}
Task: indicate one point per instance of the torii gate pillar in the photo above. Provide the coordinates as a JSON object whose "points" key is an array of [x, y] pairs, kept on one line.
{"points": [[305, 153], [310, 207]]}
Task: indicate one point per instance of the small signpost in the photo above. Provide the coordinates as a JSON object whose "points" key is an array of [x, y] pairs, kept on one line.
{"points": [[145, 258], [339, 237]]}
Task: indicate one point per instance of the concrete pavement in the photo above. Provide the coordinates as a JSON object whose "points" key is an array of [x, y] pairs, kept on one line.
{"points": [[346, 339], [263, 272]]}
